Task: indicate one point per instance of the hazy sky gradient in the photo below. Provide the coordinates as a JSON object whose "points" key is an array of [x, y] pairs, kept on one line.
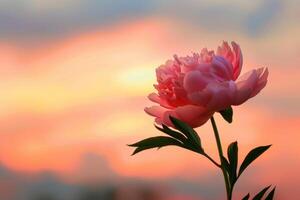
{"points": [[74, 77]]}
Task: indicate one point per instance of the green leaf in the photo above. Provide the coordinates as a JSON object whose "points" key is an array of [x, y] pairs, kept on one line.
{"points": [[251, 156], [232, 153], [261, 193], [172, 133], [188, 131], [227, 114], [271, 194], [246, 197], [154, 142]]}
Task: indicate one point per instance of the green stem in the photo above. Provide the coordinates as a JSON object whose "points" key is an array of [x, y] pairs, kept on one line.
{"points": [[212, 160], [228, 189]]}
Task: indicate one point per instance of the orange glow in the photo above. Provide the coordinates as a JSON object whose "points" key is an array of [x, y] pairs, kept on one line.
{"points": [[86, 94]]}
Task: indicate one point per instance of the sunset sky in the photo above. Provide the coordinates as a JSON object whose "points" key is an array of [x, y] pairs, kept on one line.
{"points": [[74, 77]]}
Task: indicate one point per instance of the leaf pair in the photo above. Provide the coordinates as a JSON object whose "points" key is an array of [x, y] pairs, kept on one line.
{"points": [[154, 142], [231, 165], [186, 138], [261, 194]]}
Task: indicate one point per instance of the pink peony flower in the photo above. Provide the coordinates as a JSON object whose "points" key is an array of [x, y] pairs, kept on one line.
{"points": [[193, 88]]}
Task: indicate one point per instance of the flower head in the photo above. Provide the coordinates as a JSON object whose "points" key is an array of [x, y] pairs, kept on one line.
{"points": [[193, 88]]}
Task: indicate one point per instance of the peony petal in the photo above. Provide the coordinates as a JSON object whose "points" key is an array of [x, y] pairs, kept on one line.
{"points": [[161, 114], [156, 111], [196, 81], [237, 61], [225, 51], [222, 95], [155, 98], [234, 56], [200, 98], [262, 81], [245, 86], [216, 96], [222, 68], [193, 115]]}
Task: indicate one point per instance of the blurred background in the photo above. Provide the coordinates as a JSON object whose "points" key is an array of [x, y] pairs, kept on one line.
{"points": [[74, 76]]}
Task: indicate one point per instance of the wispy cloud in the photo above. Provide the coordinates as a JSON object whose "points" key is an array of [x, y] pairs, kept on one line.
{"points": [[37, 21]]}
